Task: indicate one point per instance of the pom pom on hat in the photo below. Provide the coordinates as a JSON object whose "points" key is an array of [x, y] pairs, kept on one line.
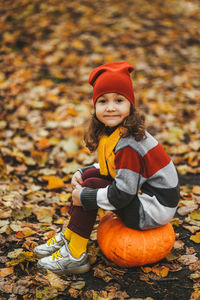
{"points": [[112, 78]]}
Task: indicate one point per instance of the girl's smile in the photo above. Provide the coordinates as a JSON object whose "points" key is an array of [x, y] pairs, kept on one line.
{"points": [[112, 108]]}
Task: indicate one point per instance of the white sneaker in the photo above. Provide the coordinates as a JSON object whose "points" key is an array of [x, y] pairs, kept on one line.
{"points": [[51, 246], [62, 262]]}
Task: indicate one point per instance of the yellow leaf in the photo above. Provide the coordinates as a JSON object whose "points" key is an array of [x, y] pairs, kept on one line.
{"points": [[175, 222], [46, 293], [195, 238], [54, 141], [27, 255], [27, 231], [24, 256], [65, 197], [101, 213], [78, 44], [14, 262], [195, 295], [55, 183], [195, 215]]}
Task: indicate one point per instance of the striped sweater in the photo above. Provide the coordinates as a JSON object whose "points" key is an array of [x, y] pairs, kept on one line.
{"points": [[144, 170]]}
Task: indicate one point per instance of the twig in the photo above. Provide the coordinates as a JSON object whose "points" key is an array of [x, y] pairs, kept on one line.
{"points": [[164, 279]]}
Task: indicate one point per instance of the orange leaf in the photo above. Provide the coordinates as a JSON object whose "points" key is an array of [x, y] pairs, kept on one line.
{"points": [[161, 271], [53, 98], [49, 234], [43, 143], [29, 245], [19, 235], [72, 112], [64, 210], [54, 183], [6, 271], [146, 269]]}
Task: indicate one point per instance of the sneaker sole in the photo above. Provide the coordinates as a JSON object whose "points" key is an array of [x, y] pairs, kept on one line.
{"points": [[78, 270]]}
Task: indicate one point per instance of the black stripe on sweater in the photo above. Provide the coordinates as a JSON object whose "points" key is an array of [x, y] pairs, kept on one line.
{"points": [[167, 197], [118, 198]]}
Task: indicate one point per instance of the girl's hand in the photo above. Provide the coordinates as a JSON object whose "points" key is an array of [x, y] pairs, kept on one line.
{"points": [[76, 195], [76, 179]]}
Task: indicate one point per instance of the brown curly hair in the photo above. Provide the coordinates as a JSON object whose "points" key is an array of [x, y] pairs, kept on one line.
{"points": [[132, 125]]}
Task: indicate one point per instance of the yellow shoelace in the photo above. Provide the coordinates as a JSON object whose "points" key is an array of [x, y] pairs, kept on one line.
{"points": [[51, 241], [56, 255]]}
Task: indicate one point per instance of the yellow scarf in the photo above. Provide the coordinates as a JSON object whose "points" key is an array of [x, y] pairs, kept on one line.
{"points": [[105, 152]]}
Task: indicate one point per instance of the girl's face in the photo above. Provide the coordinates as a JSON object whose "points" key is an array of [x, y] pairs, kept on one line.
{"points": [[112, 108]]}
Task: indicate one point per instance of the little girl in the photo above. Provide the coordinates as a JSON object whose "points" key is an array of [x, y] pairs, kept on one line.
{"points": [[135, 177]]}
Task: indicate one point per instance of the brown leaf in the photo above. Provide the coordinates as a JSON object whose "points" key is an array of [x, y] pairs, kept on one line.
{"points": [[196, 189], [44, 214], [187, 259], [195, 266], [92, 251], [179, 245], [78, 285], [195, 276], [100, 272], [190, 250], [192, 229], [29, 245], [56, 282], [6, 271], [185, 210]]}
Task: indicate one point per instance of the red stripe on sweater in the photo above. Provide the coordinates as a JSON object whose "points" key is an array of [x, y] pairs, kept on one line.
{"points": [[127, 158], [154, 160]]}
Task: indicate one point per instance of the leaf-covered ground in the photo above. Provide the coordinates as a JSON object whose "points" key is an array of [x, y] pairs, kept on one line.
{"points": [[47, 51]]}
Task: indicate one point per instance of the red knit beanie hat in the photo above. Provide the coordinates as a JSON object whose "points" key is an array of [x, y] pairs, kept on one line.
{"points": [[112, 78]]}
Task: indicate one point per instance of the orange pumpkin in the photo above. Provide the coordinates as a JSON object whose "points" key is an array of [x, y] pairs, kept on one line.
{"points": [[129, 247]]}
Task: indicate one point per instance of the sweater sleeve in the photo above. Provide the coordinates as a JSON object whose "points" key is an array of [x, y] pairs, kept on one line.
{"points": [[82, 170]]}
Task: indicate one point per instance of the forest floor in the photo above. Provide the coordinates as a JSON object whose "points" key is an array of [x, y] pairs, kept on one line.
{"points": [[47, 51]]}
